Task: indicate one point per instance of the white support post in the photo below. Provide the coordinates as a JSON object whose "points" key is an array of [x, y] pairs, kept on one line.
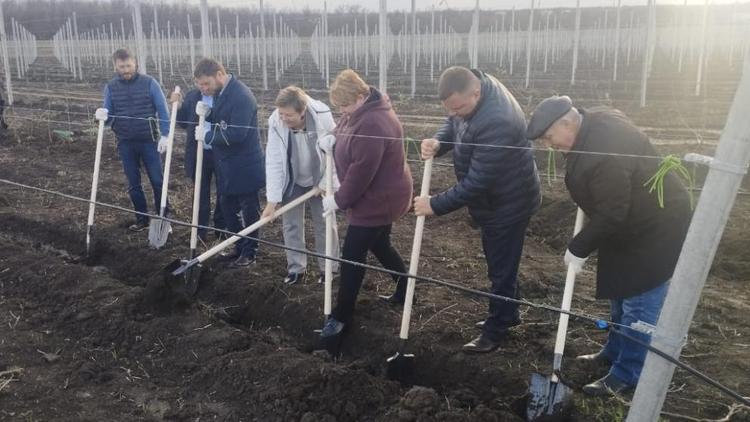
{"points": [[529, 43], [702, 55], [576, 42], [383, 61], [264, 49], [205, 31], [6, 64], [615, 61], [413, 47], [140, 43], [719, 192], [650, 41]]}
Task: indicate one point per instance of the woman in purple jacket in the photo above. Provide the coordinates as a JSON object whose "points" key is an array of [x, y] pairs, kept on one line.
{"points": [[376, 188]]}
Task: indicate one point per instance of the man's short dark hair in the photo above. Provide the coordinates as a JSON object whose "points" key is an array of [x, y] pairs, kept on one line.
{"points": [[208, 67], [122, 54], [455, 79]]}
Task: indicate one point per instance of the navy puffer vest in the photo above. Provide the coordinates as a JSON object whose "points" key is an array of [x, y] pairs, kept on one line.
{"points": [[132, 100]]}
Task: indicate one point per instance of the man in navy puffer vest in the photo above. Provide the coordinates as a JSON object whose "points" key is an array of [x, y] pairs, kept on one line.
{"points": [[132, 102], [497, 182]]}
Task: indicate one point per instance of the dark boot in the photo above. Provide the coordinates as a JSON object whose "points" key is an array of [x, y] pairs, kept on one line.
{"points": [[481, 344], [595, 358], [606, 386]]}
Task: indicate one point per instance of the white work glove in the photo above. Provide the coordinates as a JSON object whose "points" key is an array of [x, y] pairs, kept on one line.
{"points": [[101, 114], [329, 205], [326, 143], [202, 131], [162, 147], [574, 262], [202, 109]]}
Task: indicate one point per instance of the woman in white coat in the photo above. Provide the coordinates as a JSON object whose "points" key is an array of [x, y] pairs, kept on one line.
{"points": [[295, 163]]}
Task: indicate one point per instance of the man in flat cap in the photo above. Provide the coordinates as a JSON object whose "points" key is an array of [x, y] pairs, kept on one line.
{"points": [[497, 182], [608, 161]]}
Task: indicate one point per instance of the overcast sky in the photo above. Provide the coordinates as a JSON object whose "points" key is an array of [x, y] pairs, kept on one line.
{"points": [[453, 4]]}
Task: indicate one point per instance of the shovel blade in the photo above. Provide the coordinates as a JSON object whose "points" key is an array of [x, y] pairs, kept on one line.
{"points": [[158, 233], [547, 398], [400, 367], [184, 282]]}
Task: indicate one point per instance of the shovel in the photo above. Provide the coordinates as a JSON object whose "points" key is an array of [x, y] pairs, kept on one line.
{"points": [[548, 395], [158, 230], [330, 223], [400, 366], [94, 186], [178, 273]]}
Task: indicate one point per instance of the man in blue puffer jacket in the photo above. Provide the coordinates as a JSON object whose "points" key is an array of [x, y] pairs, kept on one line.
{"points": [[497, 181], [132, 102], [238, 157]]}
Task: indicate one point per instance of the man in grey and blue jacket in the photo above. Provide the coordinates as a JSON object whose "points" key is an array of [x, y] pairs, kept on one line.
{"points": [[132, 102]]}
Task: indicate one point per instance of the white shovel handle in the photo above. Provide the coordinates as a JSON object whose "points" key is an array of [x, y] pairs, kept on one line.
{"points": [[570, 281], [95, 178], [255, 226], [416, 249], [168, 158], [197, 188], [330, 223]]}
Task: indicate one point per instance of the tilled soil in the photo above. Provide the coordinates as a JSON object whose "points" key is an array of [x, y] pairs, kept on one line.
{"points": [[81, 340]]}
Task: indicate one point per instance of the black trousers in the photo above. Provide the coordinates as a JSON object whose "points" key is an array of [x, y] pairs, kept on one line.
{"points": [[358, 241], [503, 246], [241, 211]]}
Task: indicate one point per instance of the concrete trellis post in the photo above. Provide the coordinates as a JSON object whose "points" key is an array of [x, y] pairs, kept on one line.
{"points": [[140, 43], [414, 48], [576, 42], [702, 55], [6, 66], [383, 61], [647, 53], [726, 172], [264, 52], [529, 43], [615, 60]]}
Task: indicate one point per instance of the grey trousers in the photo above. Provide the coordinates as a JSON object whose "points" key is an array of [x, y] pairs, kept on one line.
{"points": [[294, 232]]}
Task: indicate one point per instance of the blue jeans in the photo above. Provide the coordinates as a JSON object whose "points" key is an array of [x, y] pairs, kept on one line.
{"points": [[503, 246], [241, 211], [626, 356], [132, 154]]}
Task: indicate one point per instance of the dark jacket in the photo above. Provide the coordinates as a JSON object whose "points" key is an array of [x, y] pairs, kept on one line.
{"points": [[238, 157], [638, 241], [135, 104], [499, 185], [188, 120], [376, 184]]}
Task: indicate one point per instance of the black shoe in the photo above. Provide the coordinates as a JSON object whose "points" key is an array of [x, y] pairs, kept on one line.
{"points": [[394, 299], [606, 386], [332, 327], [138, 226], [480, 324], [481, 344], [293, 278], [243, 261], [597, 358], [230, 254]]}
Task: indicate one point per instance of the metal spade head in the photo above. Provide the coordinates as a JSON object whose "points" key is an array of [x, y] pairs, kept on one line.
{"points": [[158, 232], [400, 367], [547, 398]]}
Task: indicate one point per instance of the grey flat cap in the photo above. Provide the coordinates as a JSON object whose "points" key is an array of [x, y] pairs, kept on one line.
{"points": [[547, 113]]}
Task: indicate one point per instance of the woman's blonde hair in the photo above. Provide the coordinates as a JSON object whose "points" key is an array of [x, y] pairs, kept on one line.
{"points": [[347, 88]]}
